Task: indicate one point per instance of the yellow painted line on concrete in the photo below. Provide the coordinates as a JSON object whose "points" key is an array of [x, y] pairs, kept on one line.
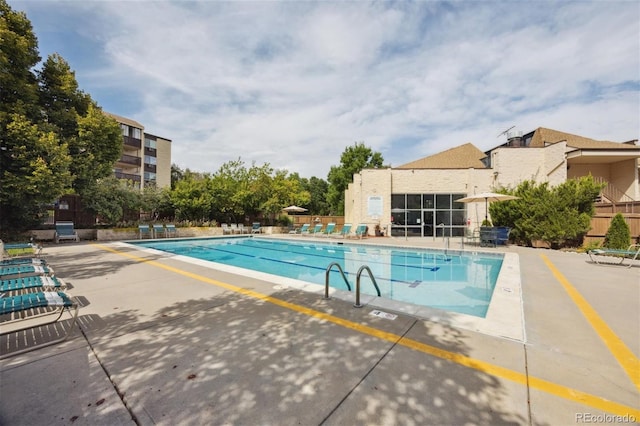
{"points": [[627, 359], [488, 368]]}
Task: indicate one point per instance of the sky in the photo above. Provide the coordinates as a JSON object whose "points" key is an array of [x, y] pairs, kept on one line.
{"points": [[294, 83]]}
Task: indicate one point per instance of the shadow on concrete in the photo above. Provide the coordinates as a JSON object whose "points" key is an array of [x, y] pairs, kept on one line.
{"points": [[235, 360]]}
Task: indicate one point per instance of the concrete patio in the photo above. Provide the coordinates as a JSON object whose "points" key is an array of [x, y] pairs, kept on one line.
{"points": [[162, 341]]}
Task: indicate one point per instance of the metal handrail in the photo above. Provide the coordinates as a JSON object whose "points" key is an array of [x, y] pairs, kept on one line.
{"points": [[326, 278], [364, 268]]}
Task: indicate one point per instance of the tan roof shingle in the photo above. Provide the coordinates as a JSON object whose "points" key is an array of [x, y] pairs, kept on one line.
{"points": [[542, 137], [461, 157]]}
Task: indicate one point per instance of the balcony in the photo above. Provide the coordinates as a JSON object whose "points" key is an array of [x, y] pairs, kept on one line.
{"points": [[130, 160], [132, 142], [128, 176]]}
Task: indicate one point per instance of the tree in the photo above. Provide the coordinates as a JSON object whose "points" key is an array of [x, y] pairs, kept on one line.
{"points": [[318, 190], [53, 138], [59, 97], [35, 170], [353, 160], [619, 234], [111, 199], [193, 198], [559, 215]]}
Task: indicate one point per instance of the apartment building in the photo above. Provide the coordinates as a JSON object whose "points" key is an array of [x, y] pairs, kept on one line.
{"points": [[146, 158]]}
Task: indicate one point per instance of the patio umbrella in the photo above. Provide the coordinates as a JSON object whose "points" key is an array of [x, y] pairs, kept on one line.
{"points": [[486, 197], [294, 209]]}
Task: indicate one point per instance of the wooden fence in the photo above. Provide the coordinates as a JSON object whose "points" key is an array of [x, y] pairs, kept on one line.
{"points": [[600, 225]]}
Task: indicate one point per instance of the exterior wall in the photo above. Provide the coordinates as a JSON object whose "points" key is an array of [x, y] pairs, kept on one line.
{"points": [[624, 177], [383, 183], [515, 165], [163, 165], [595, 170]]}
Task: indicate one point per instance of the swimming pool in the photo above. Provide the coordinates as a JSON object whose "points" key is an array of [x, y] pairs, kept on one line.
{"points": [[461, 282]]}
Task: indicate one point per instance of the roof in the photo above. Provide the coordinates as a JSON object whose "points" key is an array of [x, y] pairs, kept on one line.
{"points": [[461, 157], [542, 137], [124, 120]]}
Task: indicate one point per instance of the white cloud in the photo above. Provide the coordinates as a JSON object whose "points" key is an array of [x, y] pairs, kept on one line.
{"points": [[294, 83]]}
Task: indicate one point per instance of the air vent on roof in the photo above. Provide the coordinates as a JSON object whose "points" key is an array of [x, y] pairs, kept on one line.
{"points": [[514, 139]]}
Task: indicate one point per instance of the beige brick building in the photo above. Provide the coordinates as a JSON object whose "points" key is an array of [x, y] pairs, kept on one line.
{"points": [[419, 198], [146, 158]]}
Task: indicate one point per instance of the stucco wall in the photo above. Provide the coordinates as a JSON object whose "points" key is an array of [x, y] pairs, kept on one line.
{"points": [[515, 165], [163, 163]]}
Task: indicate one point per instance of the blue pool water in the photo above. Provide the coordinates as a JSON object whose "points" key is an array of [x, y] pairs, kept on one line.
{"points": [[462, 282]]}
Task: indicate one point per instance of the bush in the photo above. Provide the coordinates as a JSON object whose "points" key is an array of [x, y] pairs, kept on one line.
{"points": [[619, 235], [559, 216]]}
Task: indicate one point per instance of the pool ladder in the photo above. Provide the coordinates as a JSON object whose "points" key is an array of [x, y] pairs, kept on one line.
{"points": [[344, 277]]}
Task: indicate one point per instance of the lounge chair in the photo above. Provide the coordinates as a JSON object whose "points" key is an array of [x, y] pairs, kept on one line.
{"points": [[18, 250], [30, 283], [256, 228], [24, 270], [241, 229], [488, 236], [361, 231], [15, 261], [171, 231], [21, 308], [144, 231], [632, 253], [304, 229], [317, 229], [329, 229], [234, 228], [65, 231], [225, 229], [158, 230], [344, 232]]}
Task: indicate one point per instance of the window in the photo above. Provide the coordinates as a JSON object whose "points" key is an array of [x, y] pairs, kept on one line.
{"points": [[125, 129], [149, 143], [137, 133], [427, 215], [148, 159], [148, 176]]}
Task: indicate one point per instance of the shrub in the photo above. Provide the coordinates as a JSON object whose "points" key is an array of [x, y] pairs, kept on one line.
{"points": [[619, 235]]}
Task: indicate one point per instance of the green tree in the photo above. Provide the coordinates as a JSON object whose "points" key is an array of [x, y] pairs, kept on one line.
{"points": [[111, 199], [619, 234], [193, 198], [318, 190], [95, 149], [59, 97], [353, 160], [559, 215], [35, 170], [18, 56]]}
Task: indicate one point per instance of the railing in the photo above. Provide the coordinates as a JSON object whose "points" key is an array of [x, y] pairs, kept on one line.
{"points": [[130, 159], [129, 141], [128, 176], [326, 278], [615, 195], [375, 284]]}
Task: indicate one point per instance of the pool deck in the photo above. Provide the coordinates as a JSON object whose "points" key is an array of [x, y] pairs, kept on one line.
{"points": [[164, 341]]}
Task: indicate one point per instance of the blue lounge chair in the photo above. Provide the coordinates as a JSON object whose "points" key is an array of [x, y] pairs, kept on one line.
{"points": [[30, 283], [171, 231], [256, 228], [65, 231], [17, 250], [317, 229], [24, 270], [158, 230], [361, 231], [15, 261], [345, 231], [329, 229], [144, 231], [21, 308], [632, 253], [304, 229]]}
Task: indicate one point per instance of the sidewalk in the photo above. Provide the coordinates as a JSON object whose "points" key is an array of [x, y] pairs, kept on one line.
{"points": [[173, 343]]}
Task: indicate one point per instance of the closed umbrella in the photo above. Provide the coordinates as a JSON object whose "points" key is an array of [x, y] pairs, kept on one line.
{"points": [[486, 197], [294, 209]]}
